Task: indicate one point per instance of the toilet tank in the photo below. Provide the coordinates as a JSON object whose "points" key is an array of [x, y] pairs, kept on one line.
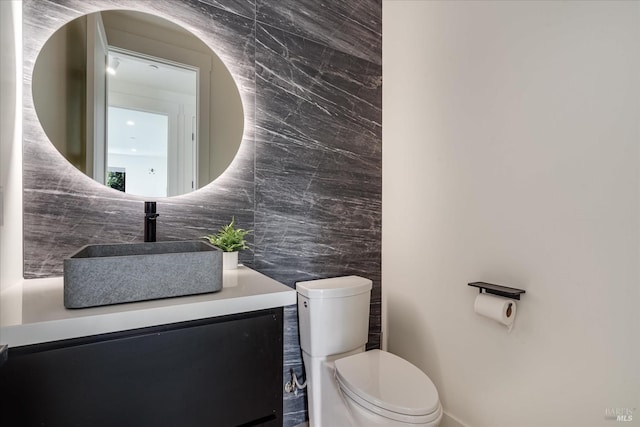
{"points": [[333, 314]]}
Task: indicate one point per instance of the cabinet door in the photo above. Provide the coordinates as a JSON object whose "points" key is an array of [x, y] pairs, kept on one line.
{"points": [[224, 371]]}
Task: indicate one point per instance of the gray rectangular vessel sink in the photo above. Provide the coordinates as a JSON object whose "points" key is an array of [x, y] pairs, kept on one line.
{"points": [[116, 273]]}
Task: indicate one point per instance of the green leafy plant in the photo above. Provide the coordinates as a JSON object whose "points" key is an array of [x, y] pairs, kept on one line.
{"points": [[229, 238]]}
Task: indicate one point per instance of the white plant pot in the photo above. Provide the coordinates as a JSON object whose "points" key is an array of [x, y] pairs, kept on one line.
{"points": [[229, 260]]}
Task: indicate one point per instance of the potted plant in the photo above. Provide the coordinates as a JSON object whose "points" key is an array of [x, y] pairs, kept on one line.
{"points": [[230, 240]]}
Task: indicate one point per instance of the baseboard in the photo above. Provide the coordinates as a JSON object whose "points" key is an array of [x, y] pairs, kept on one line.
{"points": [[449, 420]]}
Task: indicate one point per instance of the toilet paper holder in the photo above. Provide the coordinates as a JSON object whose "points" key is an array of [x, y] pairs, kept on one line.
{"points": [[503, 291]]}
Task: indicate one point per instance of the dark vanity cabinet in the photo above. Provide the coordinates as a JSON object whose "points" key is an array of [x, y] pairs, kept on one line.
{"points": [[221, 371]]}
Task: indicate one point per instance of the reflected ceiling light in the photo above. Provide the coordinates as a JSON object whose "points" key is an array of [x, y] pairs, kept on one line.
{"points": [[130, 123], [113, 65], [134, 150]]}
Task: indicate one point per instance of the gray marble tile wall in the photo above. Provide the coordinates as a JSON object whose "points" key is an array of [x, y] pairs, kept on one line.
{"points": [[307, 178], [318, 177]]}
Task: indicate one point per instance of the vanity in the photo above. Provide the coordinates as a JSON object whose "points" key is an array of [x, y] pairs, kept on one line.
{"points": [[205, 360]]}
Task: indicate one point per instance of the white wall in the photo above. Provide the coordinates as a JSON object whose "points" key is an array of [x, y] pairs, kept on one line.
{"points": [[139, 178], [510, 155], [10, 143]]}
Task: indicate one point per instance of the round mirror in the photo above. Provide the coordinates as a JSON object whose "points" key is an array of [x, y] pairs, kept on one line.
{"points": [[137, 103]]}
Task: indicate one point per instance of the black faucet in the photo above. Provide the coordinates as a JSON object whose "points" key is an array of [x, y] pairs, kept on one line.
{"points": [[150, 216]]}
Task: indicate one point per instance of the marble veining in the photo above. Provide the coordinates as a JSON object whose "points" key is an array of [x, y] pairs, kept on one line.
{"points": [[353, 27], [307, 177], [318, 171], [246, 8]]}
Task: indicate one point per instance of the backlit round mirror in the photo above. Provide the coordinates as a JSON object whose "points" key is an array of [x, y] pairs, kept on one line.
{"points": [[138, 103]]}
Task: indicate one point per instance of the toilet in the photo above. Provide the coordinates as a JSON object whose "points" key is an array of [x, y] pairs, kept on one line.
{"points": [[346, 385]]}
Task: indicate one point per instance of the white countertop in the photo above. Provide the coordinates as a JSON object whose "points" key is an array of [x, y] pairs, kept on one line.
{"points": [[32, 311]]}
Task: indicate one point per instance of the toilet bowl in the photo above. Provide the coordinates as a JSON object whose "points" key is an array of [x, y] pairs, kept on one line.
{"points": [[348, 386]]}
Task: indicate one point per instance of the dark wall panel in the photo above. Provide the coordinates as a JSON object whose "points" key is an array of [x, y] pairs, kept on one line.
{"points": [[353, 27], [318, 171]]}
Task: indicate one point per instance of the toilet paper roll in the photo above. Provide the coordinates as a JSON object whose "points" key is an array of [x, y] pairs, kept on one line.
{"points": [[497, 308]]}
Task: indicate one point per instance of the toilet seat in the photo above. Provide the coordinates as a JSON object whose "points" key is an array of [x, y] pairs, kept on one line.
{"points": [[389, 386]]}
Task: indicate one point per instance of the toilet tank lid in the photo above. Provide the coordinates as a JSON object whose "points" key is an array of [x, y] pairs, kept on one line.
{"points": [[335, 287]]}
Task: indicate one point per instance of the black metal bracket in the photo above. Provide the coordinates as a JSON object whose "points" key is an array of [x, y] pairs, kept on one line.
{"points": [[503, 291]]}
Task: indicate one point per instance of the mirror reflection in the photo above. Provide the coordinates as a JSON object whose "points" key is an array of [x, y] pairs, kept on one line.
{"points": [[137, 103]]}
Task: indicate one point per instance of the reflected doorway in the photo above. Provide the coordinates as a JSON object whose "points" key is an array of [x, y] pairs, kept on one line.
{"points": [[137, 155], [151, 131]]}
